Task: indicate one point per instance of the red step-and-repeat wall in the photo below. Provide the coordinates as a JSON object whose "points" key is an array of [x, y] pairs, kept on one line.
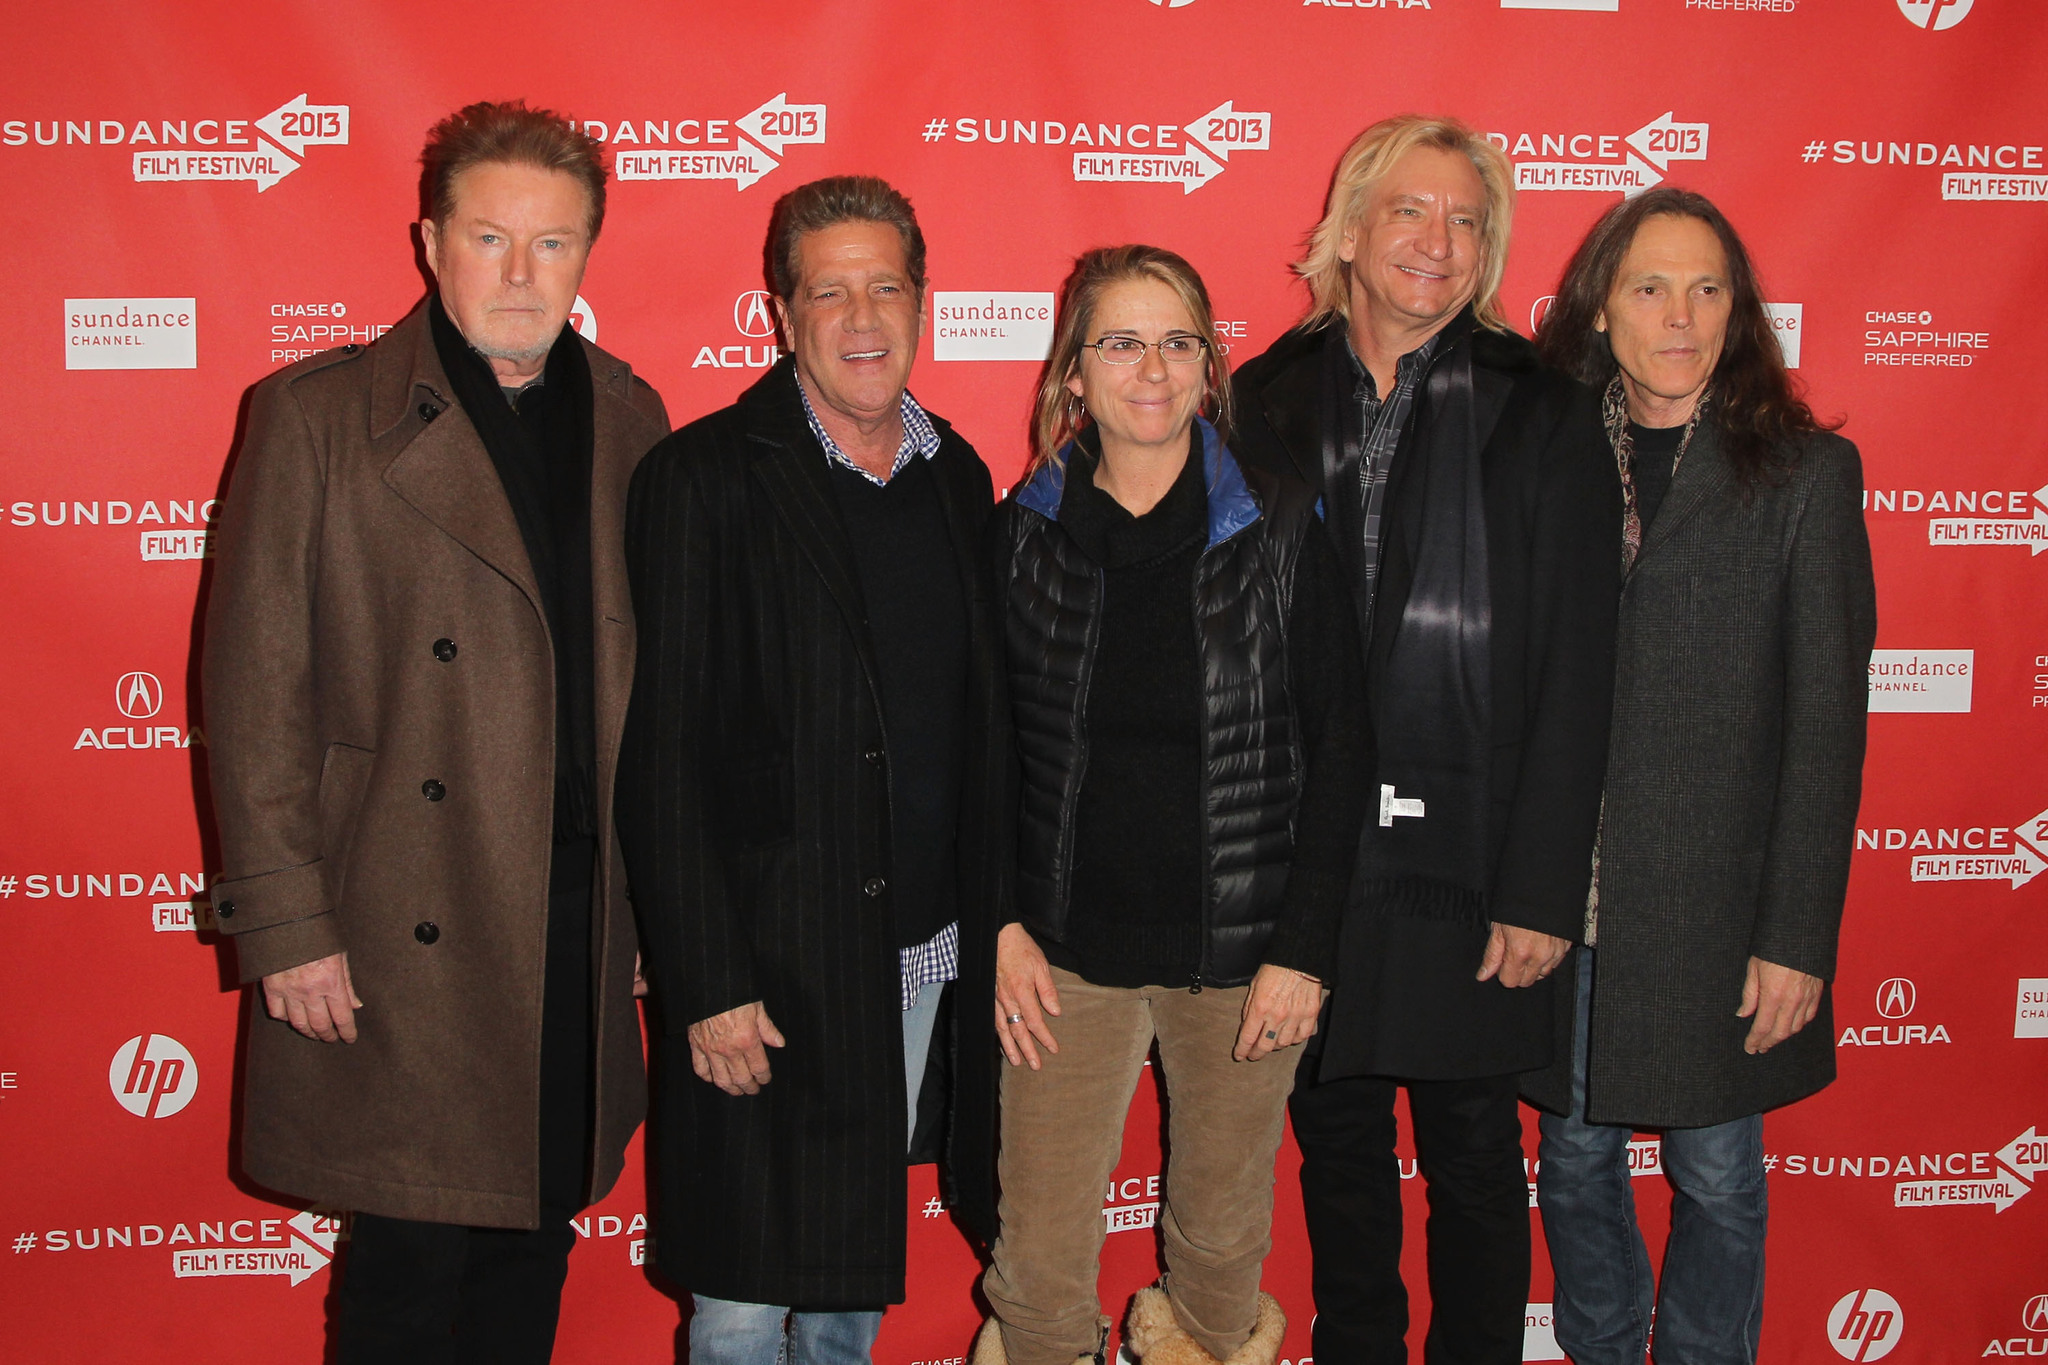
{"points": [[199, 192]]}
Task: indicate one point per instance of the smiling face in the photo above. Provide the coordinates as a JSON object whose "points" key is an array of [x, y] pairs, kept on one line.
{"points": [[1666, 317], [855, 318], [509, 260], [1415, 252], [1151, 404]]}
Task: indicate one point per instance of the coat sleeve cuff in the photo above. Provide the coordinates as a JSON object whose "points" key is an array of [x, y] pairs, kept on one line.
{"points": [[260, 952], [267, 899]]}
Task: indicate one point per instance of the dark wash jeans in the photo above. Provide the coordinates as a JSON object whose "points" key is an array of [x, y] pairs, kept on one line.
{"points": [[1710, 1306]]}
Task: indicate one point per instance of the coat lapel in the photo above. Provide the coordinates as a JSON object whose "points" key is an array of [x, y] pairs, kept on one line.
{"points": [[444, 472], [619, 437], [1293, 402], [1701, 475], [792, 471]]}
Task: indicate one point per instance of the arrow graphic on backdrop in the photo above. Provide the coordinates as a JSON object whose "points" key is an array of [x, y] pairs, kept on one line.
{"points": [[743, 165], [311, 1248], [2027, 1154], [1652, 149], [778, 123], [2027, 860], [1190, 171], [2031, 532], [295, 124], [1224, 130], [2024, 1158]]}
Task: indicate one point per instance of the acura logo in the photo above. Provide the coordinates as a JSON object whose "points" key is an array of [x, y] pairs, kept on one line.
{"points": [[139, 695], [2034, 1317], [753, 315], [1895, 998]]}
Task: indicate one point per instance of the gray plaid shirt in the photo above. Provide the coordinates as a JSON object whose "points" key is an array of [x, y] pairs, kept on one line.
{"points": [[1381, 422]]}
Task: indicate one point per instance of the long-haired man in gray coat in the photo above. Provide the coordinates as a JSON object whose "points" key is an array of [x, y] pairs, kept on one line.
{"points": [[1733, 774]]}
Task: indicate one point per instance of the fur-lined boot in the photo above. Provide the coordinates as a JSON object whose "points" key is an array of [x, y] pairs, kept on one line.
{"points": [[1155, 1337], [988, 1345]]}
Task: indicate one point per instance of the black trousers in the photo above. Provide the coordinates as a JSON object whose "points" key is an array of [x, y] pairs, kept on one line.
{"points": [[1468, 1138], [416, 1293]]}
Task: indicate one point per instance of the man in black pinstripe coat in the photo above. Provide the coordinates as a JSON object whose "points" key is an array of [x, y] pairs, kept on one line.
{"points": [[815, 802]]}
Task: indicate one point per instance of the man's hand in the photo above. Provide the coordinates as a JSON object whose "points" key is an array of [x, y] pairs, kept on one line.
{"points": [[728, 1049], [1783, 1000], [1024, 996], [316, 998], [1279, 1011], [1521, 957]]}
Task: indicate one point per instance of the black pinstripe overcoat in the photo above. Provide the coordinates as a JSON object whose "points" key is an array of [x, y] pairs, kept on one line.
{"points": [[753, 807]]}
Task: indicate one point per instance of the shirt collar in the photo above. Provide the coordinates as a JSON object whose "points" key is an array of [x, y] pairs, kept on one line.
{"points": [[920, 437], [1408, 364]]}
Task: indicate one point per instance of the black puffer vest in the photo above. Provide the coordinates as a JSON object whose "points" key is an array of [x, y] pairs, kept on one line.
{"points": [[1244, 585]]}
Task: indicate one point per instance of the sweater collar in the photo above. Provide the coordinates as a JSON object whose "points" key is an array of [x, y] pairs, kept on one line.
{"points": [[1231, 504]]}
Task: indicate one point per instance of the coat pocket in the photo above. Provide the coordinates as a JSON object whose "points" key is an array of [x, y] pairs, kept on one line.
{"points": [[344, 781]]}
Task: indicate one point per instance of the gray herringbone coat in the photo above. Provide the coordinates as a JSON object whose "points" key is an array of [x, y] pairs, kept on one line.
{"points": [[1733, 776]]}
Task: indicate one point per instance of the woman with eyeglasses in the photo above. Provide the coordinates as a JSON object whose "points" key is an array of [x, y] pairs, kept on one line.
{"points": [[1185, 676]]}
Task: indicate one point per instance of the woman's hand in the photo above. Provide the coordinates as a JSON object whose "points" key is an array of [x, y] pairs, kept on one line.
{"points": [[1024, 996], [1279, 1011]]}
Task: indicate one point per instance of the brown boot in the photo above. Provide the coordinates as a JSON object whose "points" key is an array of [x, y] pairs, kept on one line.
{"points": [[988, 1345], [1155, 1337]]}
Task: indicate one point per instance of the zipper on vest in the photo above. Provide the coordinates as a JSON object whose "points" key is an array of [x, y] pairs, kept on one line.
{"points": [[1208, 758]]}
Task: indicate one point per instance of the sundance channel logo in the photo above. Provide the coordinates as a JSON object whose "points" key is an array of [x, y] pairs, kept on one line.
{"points": [[131, 334], [1928, 680], [991, 325]]}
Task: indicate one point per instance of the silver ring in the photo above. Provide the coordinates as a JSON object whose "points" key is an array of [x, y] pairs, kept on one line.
{"points": [[1016, 1019]]}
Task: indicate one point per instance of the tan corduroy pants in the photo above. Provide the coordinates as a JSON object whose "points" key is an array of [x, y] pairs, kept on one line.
{"points": [[1062, 1130]]}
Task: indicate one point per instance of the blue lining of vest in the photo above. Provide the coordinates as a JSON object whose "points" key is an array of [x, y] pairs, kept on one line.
{"points": [[1231, 504]]}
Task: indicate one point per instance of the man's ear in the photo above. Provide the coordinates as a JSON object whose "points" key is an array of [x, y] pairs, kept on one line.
{"points": [[783, 323], [430, 240]]}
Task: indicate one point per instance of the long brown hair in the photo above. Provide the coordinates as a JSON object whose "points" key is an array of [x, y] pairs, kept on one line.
{"points": [[1758, 405], [1054, 419]]}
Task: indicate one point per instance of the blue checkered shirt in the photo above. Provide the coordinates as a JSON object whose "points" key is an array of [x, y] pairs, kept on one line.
{"points": [[938, 960]]}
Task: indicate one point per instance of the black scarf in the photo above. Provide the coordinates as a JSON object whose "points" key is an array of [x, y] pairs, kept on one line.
{"points": [[1432, 694], [542, 452]]}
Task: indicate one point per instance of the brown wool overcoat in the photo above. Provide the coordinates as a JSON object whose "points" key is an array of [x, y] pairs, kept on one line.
{"points": [[379, 699]]}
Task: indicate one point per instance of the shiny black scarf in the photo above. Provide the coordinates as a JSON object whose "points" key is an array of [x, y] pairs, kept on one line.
{"points": [[542, 452], [1430, 666]]}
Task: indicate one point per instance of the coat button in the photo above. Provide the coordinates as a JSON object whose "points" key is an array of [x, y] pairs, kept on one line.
{"points": [[432, 790], [225, 910], [444, 650], [428, 412], [873, 756], [874, 886], [351, 348], [426, 931]]}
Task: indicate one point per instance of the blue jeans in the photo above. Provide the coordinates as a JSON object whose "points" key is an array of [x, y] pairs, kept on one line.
{"points": [[1710, 1306], [723, 1332]]}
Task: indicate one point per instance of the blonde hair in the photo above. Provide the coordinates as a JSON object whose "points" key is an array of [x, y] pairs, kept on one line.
{"points": [[1055, 419], [1364, 167]]}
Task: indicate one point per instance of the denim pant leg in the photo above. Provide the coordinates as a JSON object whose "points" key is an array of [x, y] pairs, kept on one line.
{"points": [[832, 1338], [1604, 1283], [1710, 1306], [723, 1332], [918, 1022]]}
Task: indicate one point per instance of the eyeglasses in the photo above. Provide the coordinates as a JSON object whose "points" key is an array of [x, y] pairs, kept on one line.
{"points": [[1182, 348]]}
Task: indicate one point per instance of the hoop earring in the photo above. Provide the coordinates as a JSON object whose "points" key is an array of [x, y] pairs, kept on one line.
{"points": [[1077, 409]]}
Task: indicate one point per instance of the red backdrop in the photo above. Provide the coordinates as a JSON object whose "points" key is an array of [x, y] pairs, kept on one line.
{"points": [[200, 192]]}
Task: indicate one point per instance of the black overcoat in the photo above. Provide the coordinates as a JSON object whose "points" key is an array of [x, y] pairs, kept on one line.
{"points": [[753, 805], [1733, 777], [1406, 1002]]}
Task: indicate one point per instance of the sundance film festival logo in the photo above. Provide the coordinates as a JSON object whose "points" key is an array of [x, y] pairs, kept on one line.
{"points": [[264, 150], [1189, 155], [176, 528], [741, 150], [753, 319], [1985, 170], [1624, 163], [153, 1077], [2019, 1163], [1968, 853], [1865, 1324], [1997, 516], [294, 1247]]}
